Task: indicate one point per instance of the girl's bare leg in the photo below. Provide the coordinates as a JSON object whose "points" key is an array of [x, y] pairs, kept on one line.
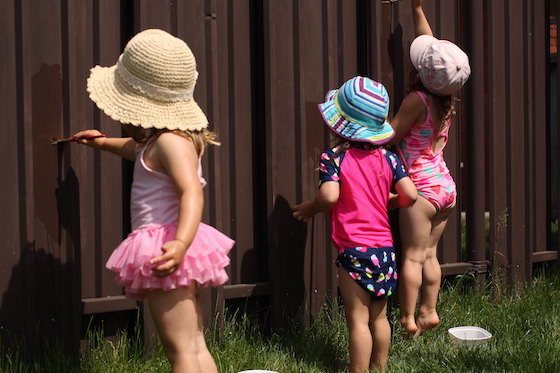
{"points": [[431, 276], [381, 333], [416, 227], [205, 359], [356, 307], [177, 320]]}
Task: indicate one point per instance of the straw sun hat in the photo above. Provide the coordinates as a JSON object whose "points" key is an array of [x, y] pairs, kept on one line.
{"points": [[358, 110], [151, 85]]}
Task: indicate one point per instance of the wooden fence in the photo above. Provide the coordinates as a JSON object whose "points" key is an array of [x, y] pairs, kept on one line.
{"points": [[264, 66]]}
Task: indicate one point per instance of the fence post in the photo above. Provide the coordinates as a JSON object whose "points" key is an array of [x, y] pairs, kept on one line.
{"points": [[475, 135]]}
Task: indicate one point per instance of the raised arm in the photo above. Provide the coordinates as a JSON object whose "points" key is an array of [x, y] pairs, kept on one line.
{"points": [[122, 146], [421, 25], [411, 111]]}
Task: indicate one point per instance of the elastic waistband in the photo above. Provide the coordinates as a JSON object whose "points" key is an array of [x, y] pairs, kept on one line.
{"points": [[340, 251]]}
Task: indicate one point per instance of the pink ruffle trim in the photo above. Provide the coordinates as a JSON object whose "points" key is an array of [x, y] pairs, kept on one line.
{"points": [[204, 261]]}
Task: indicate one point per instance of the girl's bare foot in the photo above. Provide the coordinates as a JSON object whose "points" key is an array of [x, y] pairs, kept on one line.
{"points": [[409, 326], [426, 320]]}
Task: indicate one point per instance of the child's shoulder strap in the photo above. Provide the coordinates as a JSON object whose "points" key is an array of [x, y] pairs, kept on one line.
{"points": [[423, 97]]}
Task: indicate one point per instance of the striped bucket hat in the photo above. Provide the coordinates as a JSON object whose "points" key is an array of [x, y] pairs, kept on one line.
{"points": [[357, 111]]}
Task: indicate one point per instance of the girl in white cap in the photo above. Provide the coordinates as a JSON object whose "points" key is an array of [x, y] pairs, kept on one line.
{"points": [[170, 254], [421, 126]]}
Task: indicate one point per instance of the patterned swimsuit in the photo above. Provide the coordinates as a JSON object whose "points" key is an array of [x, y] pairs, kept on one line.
{"points": [[427, 169]]}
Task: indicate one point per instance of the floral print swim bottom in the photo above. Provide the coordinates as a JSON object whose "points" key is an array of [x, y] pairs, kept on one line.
{"points": [[374, 269]]}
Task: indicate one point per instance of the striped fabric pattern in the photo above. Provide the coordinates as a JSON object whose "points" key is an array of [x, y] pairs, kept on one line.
{"points": [[357, 111]]}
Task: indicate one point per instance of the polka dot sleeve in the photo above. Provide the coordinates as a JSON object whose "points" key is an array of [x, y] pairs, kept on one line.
{"points": [[329, 167], [396, 166]]}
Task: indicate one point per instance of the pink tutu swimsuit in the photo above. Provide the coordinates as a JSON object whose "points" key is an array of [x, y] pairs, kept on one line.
{"points": [[154, 210], [427, 169]]}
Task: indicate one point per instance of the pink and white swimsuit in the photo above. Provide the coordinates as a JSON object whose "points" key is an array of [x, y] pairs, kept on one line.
{"points": [[427, 168], [154, 211]]}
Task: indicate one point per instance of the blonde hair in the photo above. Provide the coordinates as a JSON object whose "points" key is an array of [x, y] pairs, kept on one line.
{"points": [[444, 105], [200, 138]]}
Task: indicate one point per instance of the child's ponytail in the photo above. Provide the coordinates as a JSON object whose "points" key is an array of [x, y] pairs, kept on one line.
{"points": [[201, 139]]}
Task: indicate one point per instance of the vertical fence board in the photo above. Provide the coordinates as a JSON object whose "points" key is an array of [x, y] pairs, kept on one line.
{"points": [[540, 218], [555, 122], [110, 167], [79, 162], [516, 96], [224, 121], [76, 34], [498, 128], [285, 243], [153, 14], [235, 121], [49, 263], [93, 178], [475, 131], [43, 116], [11, 215], [346, 35], [313, 61]]}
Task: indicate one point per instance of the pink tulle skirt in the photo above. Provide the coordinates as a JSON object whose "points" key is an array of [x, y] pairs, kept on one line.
{"points": [[204, 261]]}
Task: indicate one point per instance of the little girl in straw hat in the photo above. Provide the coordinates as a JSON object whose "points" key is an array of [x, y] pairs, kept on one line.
{"points": [[170, 253], [356, 180], [421, 126]]}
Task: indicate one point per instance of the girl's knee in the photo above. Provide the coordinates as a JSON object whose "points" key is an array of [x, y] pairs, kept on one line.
{"points": [[379, 323], [357, 323], [183, 347], [356, 315]]}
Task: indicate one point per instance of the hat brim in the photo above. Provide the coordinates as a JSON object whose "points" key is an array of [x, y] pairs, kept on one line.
{"points": [[351, 129], [125, 104]]}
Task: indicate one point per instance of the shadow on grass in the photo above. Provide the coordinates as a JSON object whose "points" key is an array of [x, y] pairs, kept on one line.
{"points": [[323, 343]]}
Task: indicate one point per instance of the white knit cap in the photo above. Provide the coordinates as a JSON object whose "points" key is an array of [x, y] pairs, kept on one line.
{"points": [[151, 85], [442, 66]]}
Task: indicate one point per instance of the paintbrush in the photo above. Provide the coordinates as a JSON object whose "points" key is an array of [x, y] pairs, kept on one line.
{"points": [[55, 141]]}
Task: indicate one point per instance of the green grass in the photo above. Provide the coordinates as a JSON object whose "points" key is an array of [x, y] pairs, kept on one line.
{"points": [[525, 324]]}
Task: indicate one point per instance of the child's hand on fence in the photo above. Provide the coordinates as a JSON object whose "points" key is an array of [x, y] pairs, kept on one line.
{"points": [[304, 211], [416, 3], [89, 138], [173, 254]]}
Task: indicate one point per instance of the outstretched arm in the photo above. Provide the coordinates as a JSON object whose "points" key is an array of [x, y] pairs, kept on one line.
{"points": [[421, 25], [326, 197], [123, 146]]}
